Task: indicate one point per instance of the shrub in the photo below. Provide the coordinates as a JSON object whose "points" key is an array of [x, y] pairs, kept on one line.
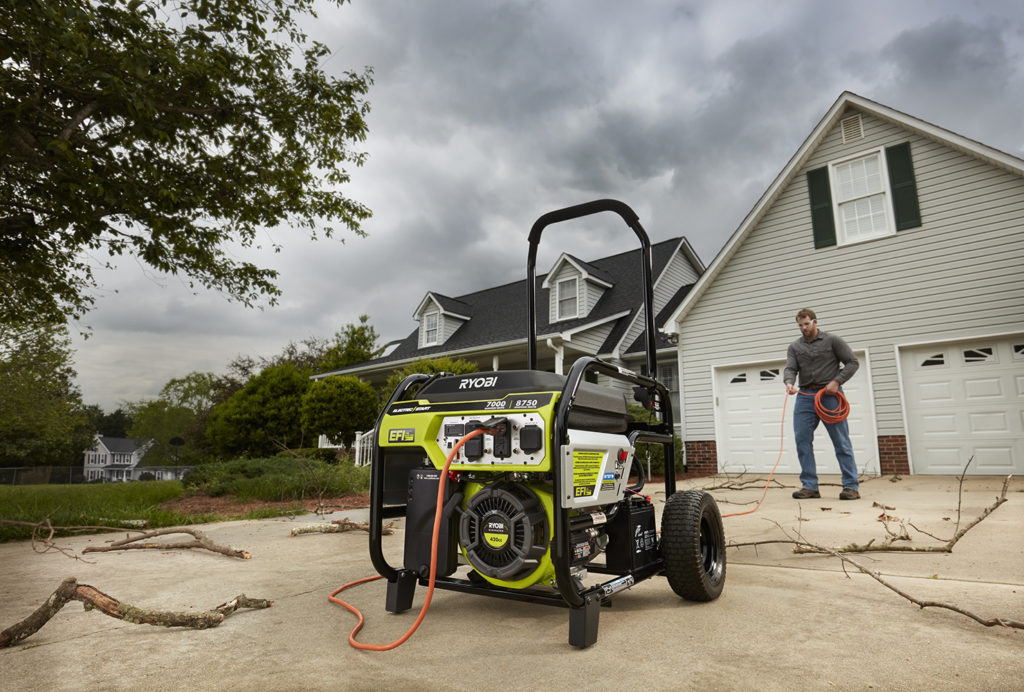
{"points": [[278, 478], [326, 454], [655, 450]]}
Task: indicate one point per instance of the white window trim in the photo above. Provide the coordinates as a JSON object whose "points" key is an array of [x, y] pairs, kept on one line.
{"points": [[437, 328], [886, 192], [559, 317]]}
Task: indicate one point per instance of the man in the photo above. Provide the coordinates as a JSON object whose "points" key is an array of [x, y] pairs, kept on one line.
{"points": [[823, 361]]}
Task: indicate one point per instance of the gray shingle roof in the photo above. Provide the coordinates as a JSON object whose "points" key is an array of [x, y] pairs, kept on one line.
{"points": [[500, 314]]}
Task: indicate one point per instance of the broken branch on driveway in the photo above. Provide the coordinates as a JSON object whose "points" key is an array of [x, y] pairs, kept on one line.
{"points": [[70, 590], [201, 541]]}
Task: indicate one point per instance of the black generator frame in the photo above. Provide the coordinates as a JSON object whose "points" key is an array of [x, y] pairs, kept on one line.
{"points": [[584, 602]]}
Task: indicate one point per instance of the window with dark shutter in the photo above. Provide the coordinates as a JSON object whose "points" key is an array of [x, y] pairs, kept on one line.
{"points": [[863, 197]]}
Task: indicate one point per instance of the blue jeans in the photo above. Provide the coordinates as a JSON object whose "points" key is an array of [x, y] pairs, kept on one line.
{"points": [[805, 421]]}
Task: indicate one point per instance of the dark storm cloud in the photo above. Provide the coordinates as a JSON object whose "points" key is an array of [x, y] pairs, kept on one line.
{"points": [[487, 114]]}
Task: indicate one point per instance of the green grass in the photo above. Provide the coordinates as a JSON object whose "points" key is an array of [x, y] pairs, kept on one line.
{"points": [[87, 505], [110, 504]]}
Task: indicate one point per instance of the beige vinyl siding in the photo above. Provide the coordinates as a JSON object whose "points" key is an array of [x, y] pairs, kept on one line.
{"points": [[956, 276], [449, 325], [677, 273], [592, 293], [589, 341]]}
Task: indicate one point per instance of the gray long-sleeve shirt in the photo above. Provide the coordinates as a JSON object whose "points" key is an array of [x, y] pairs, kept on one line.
{"points": [[819, 361]]}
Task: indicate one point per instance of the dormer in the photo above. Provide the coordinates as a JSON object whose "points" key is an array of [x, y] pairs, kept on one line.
{"points": [[574, 287], [439, 317]]}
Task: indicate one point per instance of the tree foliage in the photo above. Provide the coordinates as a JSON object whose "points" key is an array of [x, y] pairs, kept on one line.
{"points": [[164, 129], [263, 417], [352, 344], [428, 366], [162, 421], [339, 407], [42, 419]]}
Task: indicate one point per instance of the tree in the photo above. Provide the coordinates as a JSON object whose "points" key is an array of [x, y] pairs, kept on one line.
{"points": [[167, 130], [353, 344], [162, 421], [339, 407], [114, 424], [428, 366], [263, 416], [199, 393], [42, 418]]}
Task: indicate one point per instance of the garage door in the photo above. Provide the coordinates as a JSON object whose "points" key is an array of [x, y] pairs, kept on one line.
{"points": [[965, 399], [748, 411]]}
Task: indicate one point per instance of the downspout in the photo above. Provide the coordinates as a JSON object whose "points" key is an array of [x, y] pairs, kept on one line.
{"points": [[559, 356]]}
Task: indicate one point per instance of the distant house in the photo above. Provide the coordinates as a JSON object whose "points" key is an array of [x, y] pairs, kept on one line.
{"points": [[908, 241], [584, 308], [115, 459]]}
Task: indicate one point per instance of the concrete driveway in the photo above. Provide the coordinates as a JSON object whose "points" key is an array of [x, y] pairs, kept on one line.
{"points": [[783, 622]]}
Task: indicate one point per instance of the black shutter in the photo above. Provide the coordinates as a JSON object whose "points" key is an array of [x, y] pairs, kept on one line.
{"points": [[822, 219], [904, 187]]}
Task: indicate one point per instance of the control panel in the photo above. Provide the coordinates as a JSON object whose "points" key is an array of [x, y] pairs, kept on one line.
{"points": [[519, 442]]}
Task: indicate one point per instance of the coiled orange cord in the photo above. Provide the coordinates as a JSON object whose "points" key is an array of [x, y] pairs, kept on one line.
{"points": [[433, 564], [830, 415]]}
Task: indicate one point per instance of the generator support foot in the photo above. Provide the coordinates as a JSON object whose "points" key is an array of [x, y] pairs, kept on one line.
{"points": [[400, 592], [583, 622]]}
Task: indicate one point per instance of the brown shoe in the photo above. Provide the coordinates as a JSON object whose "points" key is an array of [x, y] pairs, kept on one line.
{"points": [[806, 494], [849, 494]]}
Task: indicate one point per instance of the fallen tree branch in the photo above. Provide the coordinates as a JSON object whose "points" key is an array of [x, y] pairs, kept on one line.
{"points": [[987, 622], [47, 542], [802, 546], [201, 541], [945, 548], [341, 526], [70, 590]]}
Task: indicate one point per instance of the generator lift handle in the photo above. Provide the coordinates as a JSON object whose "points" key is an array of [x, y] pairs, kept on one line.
{"points": [[646, 268]]}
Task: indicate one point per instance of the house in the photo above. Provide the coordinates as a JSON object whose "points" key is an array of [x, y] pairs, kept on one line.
{"points": [[908, 241], [115, 458], [584, 309]]}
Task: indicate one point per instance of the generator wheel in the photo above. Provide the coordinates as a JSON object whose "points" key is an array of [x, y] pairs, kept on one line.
{"points": [[693, 545]]}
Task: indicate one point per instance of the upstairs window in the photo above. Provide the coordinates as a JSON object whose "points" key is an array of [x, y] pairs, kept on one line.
{"points": [[567, 298], [861, 199], [430, 329], [870, 195]]}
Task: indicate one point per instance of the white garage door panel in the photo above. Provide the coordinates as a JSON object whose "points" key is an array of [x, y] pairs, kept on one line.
{"points": [[748, 414], [965, 399]]}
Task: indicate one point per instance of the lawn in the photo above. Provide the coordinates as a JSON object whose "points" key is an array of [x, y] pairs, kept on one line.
{"points": [[264, 487]]}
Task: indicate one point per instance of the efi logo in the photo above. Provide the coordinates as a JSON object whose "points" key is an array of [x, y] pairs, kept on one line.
{"points": [[402, 435]]}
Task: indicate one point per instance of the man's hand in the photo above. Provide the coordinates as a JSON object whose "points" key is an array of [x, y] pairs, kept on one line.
{"points": [[790, 389], [832, 387]]}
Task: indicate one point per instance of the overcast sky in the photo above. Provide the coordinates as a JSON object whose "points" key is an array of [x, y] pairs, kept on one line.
{"points": [[487, 114]]}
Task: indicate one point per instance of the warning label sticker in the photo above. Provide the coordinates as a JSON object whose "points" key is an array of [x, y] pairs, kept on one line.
{"points": [[586, 467]]}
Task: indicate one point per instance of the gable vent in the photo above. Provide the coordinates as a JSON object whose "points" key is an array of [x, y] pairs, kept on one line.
{"points": [[853, 129]]}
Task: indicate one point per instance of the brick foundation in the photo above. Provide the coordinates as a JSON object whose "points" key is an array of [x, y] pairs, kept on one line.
{"points": [[701, 459], [892, 454]]}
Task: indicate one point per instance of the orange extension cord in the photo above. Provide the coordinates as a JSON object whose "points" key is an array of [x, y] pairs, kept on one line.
{"points": [[828, 415], [433, 565]]}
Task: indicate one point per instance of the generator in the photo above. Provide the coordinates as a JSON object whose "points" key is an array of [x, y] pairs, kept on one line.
{"points": [[519, 484]]}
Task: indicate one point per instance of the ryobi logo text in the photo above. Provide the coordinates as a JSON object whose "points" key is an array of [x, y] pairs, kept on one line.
{"points": [[477, 382], [496, 534], [402, 435]]}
